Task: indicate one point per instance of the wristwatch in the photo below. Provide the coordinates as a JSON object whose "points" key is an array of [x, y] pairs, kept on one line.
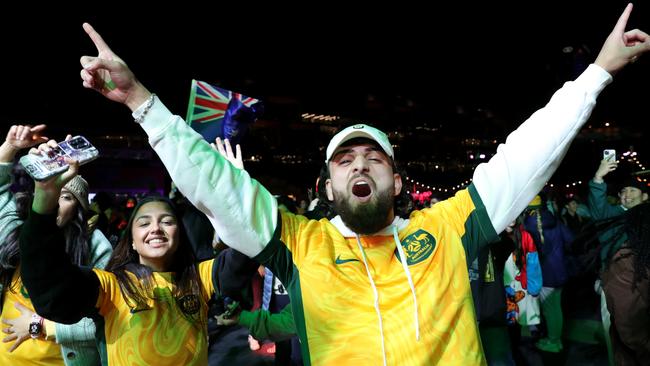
{"points": [[36, 326]]}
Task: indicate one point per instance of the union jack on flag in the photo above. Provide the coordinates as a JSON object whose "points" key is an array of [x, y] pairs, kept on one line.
{"points": [[208, 105]]}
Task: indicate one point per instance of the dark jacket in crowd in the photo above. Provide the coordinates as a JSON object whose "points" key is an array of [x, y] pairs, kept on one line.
{"points": [[557, 239], [629, 306]]}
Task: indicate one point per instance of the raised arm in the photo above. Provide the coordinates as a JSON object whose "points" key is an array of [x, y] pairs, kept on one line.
{"points": [[18, 137], [597, 199], [242, 211], [59, 290], [533, 152], [109, 75]]}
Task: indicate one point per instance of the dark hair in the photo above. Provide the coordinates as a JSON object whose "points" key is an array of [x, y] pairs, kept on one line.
{"points": [[125, 263], [637, 228], [570, 199], [324, 208], [287, 202], [518, 251], [634, 183], [75, 233], [538, 234], [103, 200]]}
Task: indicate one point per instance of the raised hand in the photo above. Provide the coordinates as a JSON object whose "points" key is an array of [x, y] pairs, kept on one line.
{"points": [[20, 137], [223, 320], [621, 47], [46, 193], [605, 167], [225, 149], [17, 329], [109, 74]]}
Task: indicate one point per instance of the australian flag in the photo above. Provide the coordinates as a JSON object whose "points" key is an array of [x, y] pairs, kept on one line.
{"points": [[215, 112]]}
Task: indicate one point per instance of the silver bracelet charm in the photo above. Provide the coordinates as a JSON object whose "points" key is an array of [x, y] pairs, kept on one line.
{"points": [[146, 109]]}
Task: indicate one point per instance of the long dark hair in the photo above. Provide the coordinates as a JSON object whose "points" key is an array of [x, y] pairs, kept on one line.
{"points": [[637, 228], [517, 233], [125, 263], [75, 233], [538, 234]]}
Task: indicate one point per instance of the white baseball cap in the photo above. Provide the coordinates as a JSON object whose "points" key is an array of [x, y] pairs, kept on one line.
{"points": [[356, 131]]}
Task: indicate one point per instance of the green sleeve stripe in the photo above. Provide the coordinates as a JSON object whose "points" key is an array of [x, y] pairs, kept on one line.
{"points": [[478, 227], [273, 245], [215, 280], [299, 316], [100, 339], [277, 256]]}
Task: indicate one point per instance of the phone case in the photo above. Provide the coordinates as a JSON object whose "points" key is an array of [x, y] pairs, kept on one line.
{"points": [[609, 154], [42, 167]]}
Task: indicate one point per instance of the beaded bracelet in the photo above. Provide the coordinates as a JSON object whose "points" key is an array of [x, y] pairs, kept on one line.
{"points": [[146, 109]]}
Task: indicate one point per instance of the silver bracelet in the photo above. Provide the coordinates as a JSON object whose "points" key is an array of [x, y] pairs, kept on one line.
{"points": [[146, 109]]}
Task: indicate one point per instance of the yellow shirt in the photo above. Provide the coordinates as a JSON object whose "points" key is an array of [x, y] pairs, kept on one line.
{"points": [[32, 351], [163, 335], [333, 301]]}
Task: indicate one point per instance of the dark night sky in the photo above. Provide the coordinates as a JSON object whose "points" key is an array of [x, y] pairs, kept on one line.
{"points": [[505, 58], [329, 58]]}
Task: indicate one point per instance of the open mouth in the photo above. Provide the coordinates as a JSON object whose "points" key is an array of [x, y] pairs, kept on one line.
{"points": [[156, 243], [361, 189]]}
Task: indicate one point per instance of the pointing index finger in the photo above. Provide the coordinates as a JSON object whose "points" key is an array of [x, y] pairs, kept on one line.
{"points": [[622, 20], [96, 38]]}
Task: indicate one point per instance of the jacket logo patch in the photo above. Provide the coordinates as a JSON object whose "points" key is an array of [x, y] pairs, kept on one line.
{"points": [[189, 304], [341, 261], [417, 247]]}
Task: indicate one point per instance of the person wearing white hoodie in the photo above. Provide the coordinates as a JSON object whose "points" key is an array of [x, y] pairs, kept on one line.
{"points": [[386, 290]]}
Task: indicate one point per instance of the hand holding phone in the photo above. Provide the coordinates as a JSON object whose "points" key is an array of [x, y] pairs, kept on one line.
{"points": [[609, 155], [46, 165], [232, 308]]}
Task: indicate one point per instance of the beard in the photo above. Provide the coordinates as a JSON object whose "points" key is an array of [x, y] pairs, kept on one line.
{"points": [[365, 218]]}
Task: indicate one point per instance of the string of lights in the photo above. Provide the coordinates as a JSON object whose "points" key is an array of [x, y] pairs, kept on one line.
{"points": [[629, 156], [418, 187]]}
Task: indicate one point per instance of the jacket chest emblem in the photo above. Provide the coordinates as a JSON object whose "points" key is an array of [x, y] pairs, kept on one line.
{"points": [[417, 247]]}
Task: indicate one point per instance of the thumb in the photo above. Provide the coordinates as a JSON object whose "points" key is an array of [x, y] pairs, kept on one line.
{"points": [[72, 171], [639, 49], [635, 36], [100, 64], [86, 61]]}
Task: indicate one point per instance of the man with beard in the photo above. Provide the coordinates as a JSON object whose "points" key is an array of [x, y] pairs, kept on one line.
{"points": [[364, 204], [369, 287]]}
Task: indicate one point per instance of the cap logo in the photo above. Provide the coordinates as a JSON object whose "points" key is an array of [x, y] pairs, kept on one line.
{"points": [[358, 127]]}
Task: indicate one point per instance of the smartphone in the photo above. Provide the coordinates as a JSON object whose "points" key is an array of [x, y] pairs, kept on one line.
{"points": [[47, 165], [609, 155]]}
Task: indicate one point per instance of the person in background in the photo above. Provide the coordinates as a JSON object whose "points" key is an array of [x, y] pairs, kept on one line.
{"points": [[571, 218], [631, 194], [30, 338], [552, 240], [152, 297], [627, 290], [389, 272]]}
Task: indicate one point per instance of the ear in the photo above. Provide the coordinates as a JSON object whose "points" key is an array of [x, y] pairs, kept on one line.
{"points": [[398, 183], [644, 197], [329, 189], [133, 245]]}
